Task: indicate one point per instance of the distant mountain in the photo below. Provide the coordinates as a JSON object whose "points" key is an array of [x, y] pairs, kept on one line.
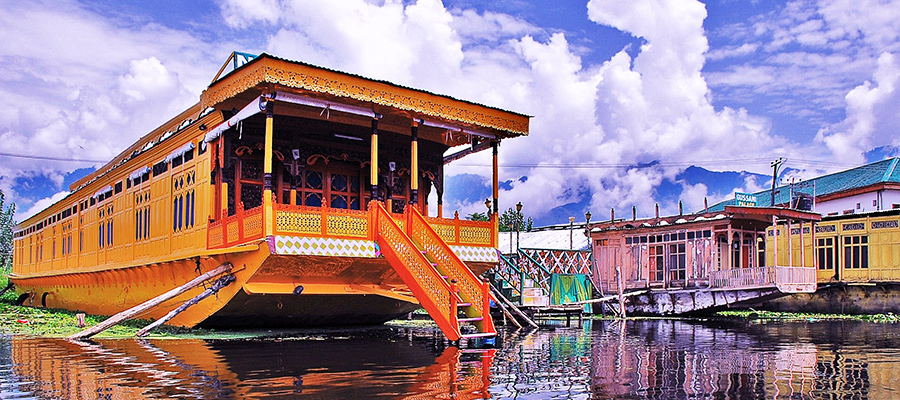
{"points": [[720, 183], [880, 153]]}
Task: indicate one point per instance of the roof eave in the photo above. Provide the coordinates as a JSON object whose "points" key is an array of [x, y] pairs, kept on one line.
{"points": [[266, 69]]}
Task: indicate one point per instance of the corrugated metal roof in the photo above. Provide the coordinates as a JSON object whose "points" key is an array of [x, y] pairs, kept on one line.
{"points": [[555, 238]]}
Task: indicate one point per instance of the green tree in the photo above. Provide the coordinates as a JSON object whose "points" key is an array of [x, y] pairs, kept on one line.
{"points": [[6, 233], [510, 218], [479, 217]]}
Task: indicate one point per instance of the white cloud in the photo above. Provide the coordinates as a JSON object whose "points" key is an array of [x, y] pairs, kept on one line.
{"points": [[40, 205], [102, 82], [732, 51], [872, 117], [629, 110], [815, 52], [80, 85]]}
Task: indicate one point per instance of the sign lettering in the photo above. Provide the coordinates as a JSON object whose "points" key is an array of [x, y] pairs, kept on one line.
{"points": [[745, 199]]}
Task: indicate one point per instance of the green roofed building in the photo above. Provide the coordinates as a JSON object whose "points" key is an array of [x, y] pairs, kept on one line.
{"points": [[864, 189]]}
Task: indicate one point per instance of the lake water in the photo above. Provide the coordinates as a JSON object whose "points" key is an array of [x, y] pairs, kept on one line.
{"points": [[653, 359]]}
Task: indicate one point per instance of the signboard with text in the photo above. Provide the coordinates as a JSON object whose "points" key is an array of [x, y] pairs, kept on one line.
{"points": [[745, 199]]}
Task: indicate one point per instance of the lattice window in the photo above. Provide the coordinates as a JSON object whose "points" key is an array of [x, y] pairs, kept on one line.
{"points": [[326, 188]]}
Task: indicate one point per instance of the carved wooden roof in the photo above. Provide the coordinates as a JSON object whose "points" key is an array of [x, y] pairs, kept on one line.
{"points": [[382, 96]]}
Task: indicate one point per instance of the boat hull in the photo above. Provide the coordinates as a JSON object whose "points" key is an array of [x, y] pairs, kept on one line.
{"points": [[270, 290], [292, 311]]}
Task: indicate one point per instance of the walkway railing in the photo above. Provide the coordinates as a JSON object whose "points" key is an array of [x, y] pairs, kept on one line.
{"points": [[796, 279], [562, 261], [787, 279]]}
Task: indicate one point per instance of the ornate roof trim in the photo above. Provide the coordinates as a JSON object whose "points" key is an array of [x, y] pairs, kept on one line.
{"points": [[302, 76]]}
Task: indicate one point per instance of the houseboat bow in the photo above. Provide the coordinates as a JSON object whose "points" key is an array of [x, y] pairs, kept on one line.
{"points": [[312, 183]]}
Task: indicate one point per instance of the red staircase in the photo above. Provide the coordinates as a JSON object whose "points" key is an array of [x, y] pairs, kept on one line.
{"points": [[447, 289]]}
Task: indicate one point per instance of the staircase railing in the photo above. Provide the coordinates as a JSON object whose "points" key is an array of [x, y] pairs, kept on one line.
{"points": [[471, 288], [509, 272], [537, 272], [426, 283]]}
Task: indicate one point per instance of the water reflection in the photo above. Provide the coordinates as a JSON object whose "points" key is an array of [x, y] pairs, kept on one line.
{"points": [[654, 359]]}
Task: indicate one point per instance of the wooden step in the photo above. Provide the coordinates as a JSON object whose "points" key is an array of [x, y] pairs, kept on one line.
{"points": [[478, 335], [473, 319]]}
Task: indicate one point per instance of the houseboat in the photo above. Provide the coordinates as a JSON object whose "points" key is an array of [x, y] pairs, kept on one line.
{"points": [[311, 183], [689, 263]]}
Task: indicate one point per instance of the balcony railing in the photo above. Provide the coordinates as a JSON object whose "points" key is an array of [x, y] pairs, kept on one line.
{"points": [[315, 221], [463, 232], [241, 227], [292, 220], [786, 279]]}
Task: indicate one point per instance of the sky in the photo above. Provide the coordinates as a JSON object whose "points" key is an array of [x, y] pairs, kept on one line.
{"points": [[634, 102]]}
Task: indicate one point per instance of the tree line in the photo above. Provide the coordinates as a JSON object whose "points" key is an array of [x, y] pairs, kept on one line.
{"points": [[6, 233], [509, 220]]}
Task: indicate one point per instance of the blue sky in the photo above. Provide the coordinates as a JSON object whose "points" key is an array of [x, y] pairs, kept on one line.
{"points": [[627, 96]]}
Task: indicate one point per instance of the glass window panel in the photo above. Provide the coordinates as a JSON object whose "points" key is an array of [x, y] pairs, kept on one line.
{"points": [[354, 184], [338, 201], [339, 183], [314, 200], [313, 180], [175, 214], [251, 196]]}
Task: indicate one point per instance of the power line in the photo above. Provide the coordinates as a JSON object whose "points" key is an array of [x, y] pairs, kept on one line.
{"points": [[35, 157], [656, 164]]}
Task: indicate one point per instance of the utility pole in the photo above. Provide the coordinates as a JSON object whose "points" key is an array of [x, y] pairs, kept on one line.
{"points": [[775, 165]]}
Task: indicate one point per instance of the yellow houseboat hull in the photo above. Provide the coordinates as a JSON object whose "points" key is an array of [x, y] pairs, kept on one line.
{"points": [[270, 290]]}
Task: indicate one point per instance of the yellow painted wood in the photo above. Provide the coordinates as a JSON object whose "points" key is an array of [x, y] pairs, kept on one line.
{"points": [[414, 175], [373, 172]]}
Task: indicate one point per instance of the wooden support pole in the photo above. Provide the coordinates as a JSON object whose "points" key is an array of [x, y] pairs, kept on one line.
{"points": [[495, 192], [373, 160], [414, 165], [506, 313], [621, 294], [218, 285], [223, 208], [10, 285], [147, 305], [268, 214], [498, 295]]}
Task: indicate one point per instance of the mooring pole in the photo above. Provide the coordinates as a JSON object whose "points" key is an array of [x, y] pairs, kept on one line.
{"points": [[218, 285], [140, 308]]}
